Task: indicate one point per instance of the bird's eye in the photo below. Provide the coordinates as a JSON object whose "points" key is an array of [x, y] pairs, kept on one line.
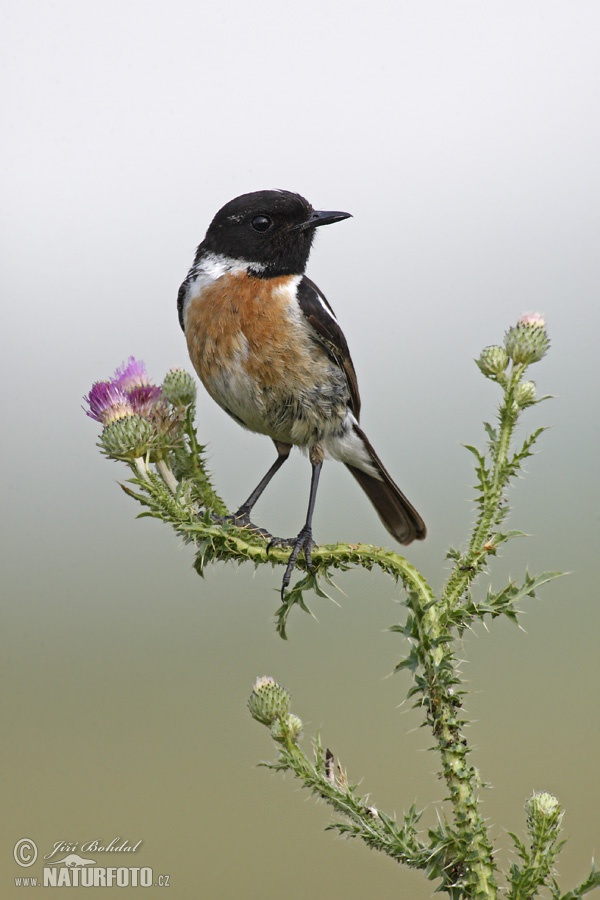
{"points": [[262, 223]]}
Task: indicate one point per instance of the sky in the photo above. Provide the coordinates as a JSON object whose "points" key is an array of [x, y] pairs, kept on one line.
{"points": [[464, 138]]}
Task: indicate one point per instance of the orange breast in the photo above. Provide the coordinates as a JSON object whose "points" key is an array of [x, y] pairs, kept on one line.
{"points": [[258, 358], [241, 320]]}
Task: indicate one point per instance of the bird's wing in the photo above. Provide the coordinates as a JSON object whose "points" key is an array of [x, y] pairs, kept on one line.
{"points": [[322, 320], [181, 295]]}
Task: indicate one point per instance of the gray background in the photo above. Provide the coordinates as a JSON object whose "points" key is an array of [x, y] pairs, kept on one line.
{"points": [[464, 138]]}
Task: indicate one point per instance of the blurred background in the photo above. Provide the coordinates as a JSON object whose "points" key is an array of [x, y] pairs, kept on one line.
{"points": [[465, 139]]}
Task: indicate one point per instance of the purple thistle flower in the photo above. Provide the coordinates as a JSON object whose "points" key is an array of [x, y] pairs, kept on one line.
{"points": [[108, 402], [128, 393], [146, 400], [131, 375]]}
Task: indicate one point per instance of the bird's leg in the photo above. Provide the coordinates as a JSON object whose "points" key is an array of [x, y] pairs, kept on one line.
{"points": [[304, 541], [242, 516]]}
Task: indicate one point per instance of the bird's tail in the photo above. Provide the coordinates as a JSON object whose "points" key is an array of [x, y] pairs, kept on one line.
{"points": [[398, 515]]}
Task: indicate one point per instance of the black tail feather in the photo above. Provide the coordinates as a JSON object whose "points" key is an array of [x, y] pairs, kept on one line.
{"points": [[398, 515]]}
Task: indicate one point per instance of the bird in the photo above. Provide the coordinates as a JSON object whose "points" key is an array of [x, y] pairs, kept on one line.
{"points": [[269, 350]]}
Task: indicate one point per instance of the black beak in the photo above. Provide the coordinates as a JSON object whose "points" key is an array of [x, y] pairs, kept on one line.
{"points": [[322, 217]]}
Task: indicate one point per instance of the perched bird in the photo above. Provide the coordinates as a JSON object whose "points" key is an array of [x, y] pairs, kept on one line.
{"points": [[269, 350]]}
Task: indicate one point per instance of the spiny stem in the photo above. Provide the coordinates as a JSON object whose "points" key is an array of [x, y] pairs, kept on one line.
{"points": [[441, 690], [199, 476], [470, 565]]}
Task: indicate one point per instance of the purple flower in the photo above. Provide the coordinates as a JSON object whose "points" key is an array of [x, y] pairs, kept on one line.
{"points": [[127, 393], [131, 375], [146, 399], [136, 411], [108, 402]]}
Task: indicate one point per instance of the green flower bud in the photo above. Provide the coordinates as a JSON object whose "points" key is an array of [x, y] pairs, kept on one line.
{"points": [[525, 394], [289, 728], [544, 812], [294, 726], [268, 701], [179, 388], [127, 438], [492, 361], [527, 341]]}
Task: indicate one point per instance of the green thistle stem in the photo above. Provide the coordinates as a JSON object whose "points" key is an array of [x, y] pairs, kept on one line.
{"points": [[470, 565], [377, 830], [440, 691], [141, 468], [167, 475], [202, 483]]}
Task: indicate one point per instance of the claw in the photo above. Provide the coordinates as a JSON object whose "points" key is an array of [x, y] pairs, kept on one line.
{"points": [[305, 542]]}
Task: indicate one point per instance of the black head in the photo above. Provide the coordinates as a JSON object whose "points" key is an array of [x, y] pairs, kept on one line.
{"points": [[274, 229]]}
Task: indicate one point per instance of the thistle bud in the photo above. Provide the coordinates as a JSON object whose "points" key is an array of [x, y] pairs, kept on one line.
{"points": [[268, 701], [527, 341], [127, 438], [544, 813], [294, 727], [525, 394], [179, 388], [289, 728], [492, 361]]}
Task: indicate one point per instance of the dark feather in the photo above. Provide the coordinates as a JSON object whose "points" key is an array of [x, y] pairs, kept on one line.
{"points": [[397, 514], [321, 318], [181, 295]]}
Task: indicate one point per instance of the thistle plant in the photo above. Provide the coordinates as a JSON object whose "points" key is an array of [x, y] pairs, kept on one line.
{"points": [[151, 429]]}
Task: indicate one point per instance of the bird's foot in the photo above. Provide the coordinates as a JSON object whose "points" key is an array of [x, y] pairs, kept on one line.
{"points": [[241, 519], [304, 541]]}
